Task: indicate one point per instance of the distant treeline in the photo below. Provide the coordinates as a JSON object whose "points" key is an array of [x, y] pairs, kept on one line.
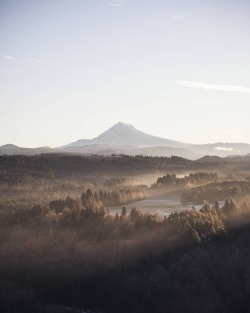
{"points": [[113, 198], [193, 178], [20, 168], [116, 181], [96, 200], [216, 191]]}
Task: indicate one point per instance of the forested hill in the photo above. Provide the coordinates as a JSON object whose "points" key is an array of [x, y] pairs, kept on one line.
{"points": [[61, 165]]}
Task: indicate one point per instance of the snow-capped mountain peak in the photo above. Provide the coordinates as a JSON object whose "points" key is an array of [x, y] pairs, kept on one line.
{"points": [[126, 134]]}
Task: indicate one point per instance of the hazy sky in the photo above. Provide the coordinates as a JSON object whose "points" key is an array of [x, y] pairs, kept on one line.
{"points": [[70, 69]]}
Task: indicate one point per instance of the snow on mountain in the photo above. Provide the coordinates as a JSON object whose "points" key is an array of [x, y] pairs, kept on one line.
{"points": [[124, 138], [126, 134]]}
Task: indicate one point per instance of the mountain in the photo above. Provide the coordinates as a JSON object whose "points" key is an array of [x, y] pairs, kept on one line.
{"points": [[10, 149], [124, 138], [126, 134]]}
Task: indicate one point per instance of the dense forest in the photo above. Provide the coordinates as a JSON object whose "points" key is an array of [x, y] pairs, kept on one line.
{"points": [[198, 178], [23, 169], [20, 168], [216, 191], [114, 198], [63, 250], [195, 261]]}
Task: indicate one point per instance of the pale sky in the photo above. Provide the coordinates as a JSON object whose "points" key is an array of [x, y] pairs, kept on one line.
{"points": [[70, 69]]}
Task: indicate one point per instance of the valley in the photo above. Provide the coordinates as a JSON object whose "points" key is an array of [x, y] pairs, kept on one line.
{"points": [[162, 205], [124, 156], [73, 227]]}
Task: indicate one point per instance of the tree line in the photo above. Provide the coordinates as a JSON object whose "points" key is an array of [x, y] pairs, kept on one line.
{"points": [[216, 191], [112, 198], [193, 178]]}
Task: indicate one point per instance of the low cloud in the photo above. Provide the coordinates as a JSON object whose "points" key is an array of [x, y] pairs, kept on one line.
{"points": [[180, 17], [40, 61], [111, 4], [118, 3], [204, 86], [223, 148], [7, 57]]}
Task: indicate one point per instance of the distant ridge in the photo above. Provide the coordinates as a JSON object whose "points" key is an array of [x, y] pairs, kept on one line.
{"points": [[11, 149], [124, 138], [9, 146]]}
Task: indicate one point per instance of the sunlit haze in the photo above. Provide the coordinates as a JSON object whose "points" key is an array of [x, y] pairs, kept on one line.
{"points": [[174, 69]]}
